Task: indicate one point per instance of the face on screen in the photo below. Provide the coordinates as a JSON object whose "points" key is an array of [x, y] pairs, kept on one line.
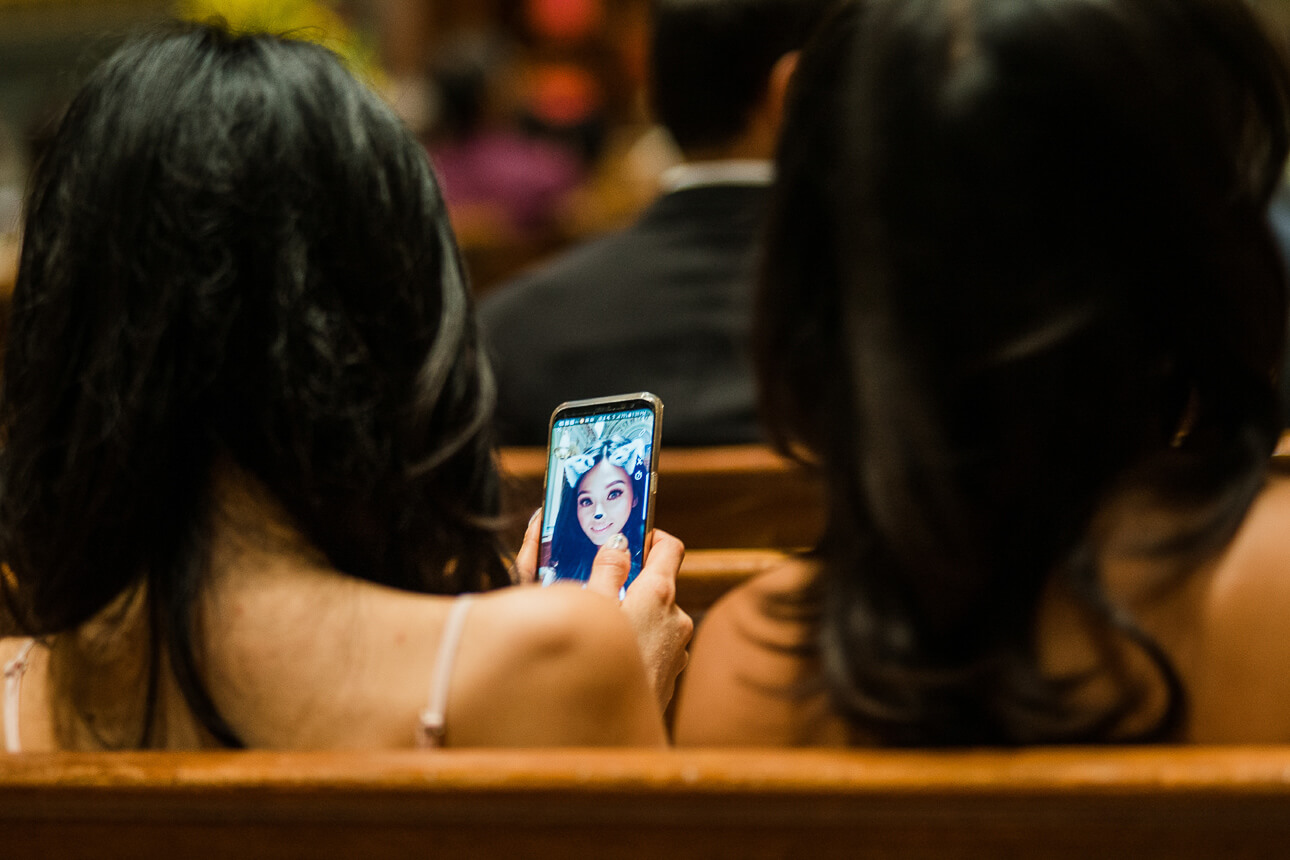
{"points": [[597, 487], [605, 501]]}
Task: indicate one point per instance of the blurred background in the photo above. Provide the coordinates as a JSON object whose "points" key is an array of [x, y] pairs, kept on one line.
{"points": [[534, 112]]}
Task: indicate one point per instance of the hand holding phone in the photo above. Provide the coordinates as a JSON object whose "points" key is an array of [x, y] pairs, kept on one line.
{"points": [[600, 483], [663, 630]]}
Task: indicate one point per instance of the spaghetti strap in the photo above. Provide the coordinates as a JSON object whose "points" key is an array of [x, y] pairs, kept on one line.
{"points": [[13, 672], [434, 716]]}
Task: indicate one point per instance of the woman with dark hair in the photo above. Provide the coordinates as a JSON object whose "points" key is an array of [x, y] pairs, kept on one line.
{"points": [[1023, 311], [604, 495], [247, 438]]}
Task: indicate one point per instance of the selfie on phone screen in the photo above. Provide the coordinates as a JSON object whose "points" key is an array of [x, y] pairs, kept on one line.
{"points": [[597, 485]]}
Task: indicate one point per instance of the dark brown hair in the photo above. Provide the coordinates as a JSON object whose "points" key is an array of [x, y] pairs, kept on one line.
{"points": [[1019, 266]]}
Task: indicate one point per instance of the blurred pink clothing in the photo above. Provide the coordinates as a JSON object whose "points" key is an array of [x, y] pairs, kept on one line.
{"points": [[525, 178]]}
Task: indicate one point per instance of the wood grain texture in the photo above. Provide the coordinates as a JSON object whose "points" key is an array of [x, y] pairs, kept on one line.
{"points": [[710, 498], [1158, 802]]}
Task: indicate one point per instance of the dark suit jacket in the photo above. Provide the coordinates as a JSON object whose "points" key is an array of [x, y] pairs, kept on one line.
{"points": [[663, 306]]}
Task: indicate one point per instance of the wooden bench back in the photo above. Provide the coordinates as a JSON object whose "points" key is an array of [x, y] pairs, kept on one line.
{"points": [[1173, 803], [707, 574], [742, 496], [712, 498]]}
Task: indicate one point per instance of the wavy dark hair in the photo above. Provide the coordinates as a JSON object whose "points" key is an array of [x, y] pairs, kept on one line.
{"points": [[235, 251], [1018, 268], [572, 552]]}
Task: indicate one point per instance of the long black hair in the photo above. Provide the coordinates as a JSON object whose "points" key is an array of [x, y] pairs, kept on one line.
{"points": [[234, 250], [1018, 268]]}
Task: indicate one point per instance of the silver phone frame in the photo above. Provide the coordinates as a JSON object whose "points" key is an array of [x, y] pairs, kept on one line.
{"points": [[613, 403]]}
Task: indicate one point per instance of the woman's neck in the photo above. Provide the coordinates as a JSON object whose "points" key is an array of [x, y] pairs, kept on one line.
{"points": [[110, 681], [110, 685], [276, 622]]}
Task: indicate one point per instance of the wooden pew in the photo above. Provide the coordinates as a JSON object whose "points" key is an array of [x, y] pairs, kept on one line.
{"points": [[707, 574], [1162, 802], [712, 498], [740, 496]]}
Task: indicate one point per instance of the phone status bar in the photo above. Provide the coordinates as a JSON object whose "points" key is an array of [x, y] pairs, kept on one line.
{"points": [[602, 417]]}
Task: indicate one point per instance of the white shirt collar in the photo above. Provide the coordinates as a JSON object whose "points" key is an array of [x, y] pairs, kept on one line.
{"points": [[731, 172]]}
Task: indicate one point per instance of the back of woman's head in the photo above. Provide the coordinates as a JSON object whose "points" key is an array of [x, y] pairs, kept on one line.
{"points": [[235, 253], [1019, 266]]}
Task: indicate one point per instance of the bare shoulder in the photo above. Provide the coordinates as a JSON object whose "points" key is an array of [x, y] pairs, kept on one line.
{"points": [[10, 648], [748, 662], [36, 730], [563, 620], [746, 617], [1242, 688], [1252, 578], [568, 664], [532, 666]]}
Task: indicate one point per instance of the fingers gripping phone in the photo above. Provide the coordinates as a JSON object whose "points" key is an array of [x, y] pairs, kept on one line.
{"points": [[600, 481]]}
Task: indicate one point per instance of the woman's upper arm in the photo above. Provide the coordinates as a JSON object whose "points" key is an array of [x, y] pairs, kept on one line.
{"points": [[552, 667], [747, 669], [1242, 687], [710, 697]]}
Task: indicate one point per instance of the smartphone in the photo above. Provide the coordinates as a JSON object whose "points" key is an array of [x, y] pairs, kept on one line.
{"points": [[601, 477]]}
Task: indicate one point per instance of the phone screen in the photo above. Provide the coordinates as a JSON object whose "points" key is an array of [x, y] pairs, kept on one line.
{"points": [[599, 483]]}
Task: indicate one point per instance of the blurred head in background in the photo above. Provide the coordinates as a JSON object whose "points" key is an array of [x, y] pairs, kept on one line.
{"points": [[714, 64]]}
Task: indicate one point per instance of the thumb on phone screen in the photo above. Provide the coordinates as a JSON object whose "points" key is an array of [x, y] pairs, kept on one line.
{"points": [[611, 567]]}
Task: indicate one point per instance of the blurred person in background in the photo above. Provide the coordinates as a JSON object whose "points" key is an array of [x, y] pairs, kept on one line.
{"points": [[500, 183], [665, 305]]}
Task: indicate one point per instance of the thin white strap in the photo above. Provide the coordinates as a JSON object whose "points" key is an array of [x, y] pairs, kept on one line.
{"points": [[13, 672], [433, 718]]}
